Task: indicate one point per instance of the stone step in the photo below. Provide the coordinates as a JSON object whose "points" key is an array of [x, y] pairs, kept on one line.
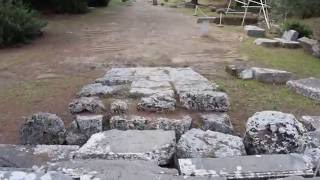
{"points": [[154, 145], [309, 87], [248, 167]]}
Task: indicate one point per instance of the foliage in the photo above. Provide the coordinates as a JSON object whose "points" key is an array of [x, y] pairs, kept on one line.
{"points": [[296, 8], [98, 3], [303, 29], [18, 23], [60, 6]]}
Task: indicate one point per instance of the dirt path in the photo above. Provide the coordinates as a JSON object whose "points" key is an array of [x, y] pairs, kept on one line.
{"points": [[45, 75]]}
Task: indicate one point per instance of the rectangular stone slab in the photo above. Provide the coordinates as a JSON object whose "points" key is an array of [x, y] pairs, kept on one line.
{"points": [[247, 167], [254, 31], [271, 75], [154, 145], [309, 87]]}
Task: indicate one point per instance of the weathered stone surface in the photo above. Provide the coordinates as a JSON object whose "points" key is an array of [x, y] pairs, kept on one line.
{"points": [[248, 167], [119, 107], [121, 170], [312, 139], [98, 89], [155, 145], [143, 92], [288, 44], [316, 50], [307, 44], [19, 156], [18, 174], [311, 123], [314, 156], [240, 71], [254, 31], [272, 132], [157, 103], [271, 75], [297, 178], [83, 127], [204, 144], [219, 122], [118, 76], [42, 128], [206, 19], [180, 126], [309, 87], [205, 101], [86, 104], [290, 35], [266, 42]]}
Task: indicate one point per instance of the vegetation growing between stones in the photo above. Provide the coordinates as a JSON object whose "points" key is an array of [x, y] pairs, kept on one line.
{"points": [[303, 29], [18, 23]]}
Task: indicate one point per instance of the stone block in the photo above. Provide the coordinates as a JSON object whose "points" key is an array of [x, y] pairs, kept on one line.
{"points": [[309, 87], [307, 44], [288, 44], [254, 31], [266, 42], [240, 71], [291, 35], [219, 122], [311, 123], [86, 104], [274, 76], [119, 107], [98, 89], [157, 103]]}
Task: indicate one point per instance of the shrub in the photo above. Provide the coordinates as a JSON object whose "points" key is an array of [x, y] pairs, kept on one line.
{"points": [[18, 23], [297, 8], [60, 6], [98, 3], [303, 30]]}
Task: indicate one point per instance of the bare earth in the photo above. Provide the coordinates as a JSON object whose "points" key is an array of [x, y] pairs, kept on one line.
{"points": [[45, 75]]}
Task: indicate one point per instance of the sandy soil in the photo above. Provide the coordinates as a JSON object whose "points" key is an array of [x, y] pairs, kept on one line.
{"points": [[45, 75]]}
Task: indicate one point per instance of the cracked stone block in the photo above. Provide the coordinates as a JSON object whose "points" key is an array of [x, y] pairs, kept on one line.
{"points": [[309, 87], [152, 145], [288, 44], [291, 35], [205, 101], [157, 103], [86, 104], [311, 123], [119, 107], [254, 31], [266, 42], [312, 139], [274, 76], [21, 156], [248, 167], [219, 122], [99, 89], [273, 132], [120, 170], [117, 76], [209, 144], [128, 122], [314, 156], [18, 174], [42, 128]]}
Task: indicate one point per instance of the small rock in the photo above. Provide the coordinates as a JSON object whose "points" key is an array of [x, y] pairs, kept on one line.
{"points": [[98, 89], [157, 103], [205, 101], [272, 132], [309, 87], [43, 128], [254, 31], [219, 122], [274, 76], [311, 123], [86, 104], [290, 35], [119, 107], [266, 42], [208, 144]]}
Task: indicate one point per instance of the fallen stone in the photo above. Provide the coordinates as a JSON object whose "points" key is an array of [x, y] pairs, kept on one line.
{"points": [[154, 145], [311, 123], [219, 122], [206, 19], [120, 170], [309, 87], [272, 132], [316, 50], [271, 75], [76, 137], [119, 107], [157, 103], [246, 74], [291, 35], [254, 31], [240, 71], [204, 144], [266, 42], [98, 89], [288, 44], [205, 101], [180, 126], [42, 128], [248, 167], [307, 44], [86, 104], [18, 174], [20, 156]]}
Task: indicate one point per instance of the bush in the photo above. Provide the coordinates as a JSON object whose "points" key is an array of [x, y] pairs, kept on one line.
{"points": [[98, 3], [18, 23], [303, 30], [297, 8], [60, 6]]}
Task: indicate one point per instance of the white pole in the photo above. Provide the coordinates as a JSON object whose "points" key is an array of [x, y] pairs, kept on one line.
{"points": [[245, 13]]}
